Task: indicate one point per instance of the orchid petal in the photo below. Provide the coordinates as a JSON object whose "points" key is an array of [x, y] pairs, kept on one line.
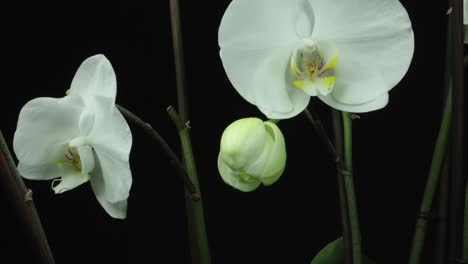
{"points": [[116, 210], [94, 77], [265, 23], [46, 171], [260, 76], [375, 104], [377, 32], [71, 179], [110, 131], [87, 159], [356, 82], [100, 184], [45, 125], [111, 139], [115, 173]]}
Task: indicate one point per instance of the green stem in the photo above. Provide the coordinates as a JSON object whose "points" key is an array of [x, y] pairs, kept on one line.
{"points": [[349, 186], [274, 121], [432, 181], [465, 227], [337, 155], [465, 216], [23, 203], [457, 177], [442, 211], [199, 247], [178, 50], [322, 134], [148, 129]]}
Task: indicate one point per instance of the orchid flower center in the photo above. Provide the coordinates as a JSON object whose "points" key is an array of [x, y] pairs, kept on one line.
{"points": [[72, 159], [312, 68]]}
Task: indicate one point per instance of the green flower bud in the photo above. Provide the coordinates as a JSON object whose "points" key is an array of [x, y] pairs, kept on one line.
{"points": [[252, 152]]}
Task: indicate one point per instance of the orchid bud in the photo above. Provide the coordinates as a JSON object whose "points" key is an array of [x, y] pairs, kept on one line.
{"points": [[252, 152]]}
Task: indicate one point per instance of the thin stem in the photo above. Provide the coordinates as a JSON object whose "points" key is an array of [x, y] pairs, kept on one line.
{"points": [[322, 133], [465, 216], [442, 210], [337, 157], [443, 203], [432, 181], [465, 227], [24, 205], [349, 186], [196, 222], [177, 45], [457, 137], [148, 129], [199, 246], [274, 121]]}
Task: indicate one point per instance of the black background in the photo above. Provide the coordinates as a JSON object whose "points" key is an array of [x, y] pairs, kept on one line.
{"points": [[288, 222]]}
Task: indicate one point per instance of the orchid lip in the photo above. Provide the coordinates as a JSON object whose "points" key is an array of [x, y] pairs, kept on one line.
{"points": [[312, 66], [72, 159]]}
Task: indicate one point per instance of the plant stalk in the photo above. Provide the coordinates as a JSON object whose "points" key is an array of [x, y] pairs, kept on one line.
{"points": [[199, 247], [457, 136], [148, 129], [338, 158], [23, 203], [177, 45], [442, 210], [349, 187], [465, 215], [432, 181]]}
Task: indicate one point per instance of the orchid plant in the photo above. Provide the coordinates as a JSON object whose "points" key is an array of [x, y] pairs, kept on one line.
{"points": [[277, 54]]}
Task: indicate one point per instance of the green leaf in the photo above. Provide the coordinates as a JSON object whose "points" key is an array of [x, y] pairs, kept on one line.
{"points": [[333, 253]]}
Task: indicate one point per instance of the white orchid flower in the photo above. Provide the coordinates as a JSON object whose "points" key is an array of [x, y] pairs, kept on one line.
{"points": [[278, 53], [252, 152], [78, 138]]}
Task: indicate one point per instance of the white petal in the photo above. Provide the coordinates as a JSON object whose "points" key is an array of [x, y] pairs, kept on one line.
{"points": [[117, 208], [265, 23], [87, 159], [356, 82], [277, 159], [378, 31], [46, 171], [378, 103], [70, 179], [114, 175], [110, 131], [111, 139], [261, 77], [232, 178], [87, 120], [94, 77], [45, 125]]}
